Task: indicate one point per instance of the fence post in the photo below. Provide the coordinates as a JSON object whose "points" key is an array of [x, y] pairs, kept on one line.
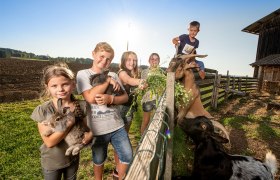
{"points": [[217, 91], [246, 83], [239, 83], [227, 86], [214, 92], [170, 86]]}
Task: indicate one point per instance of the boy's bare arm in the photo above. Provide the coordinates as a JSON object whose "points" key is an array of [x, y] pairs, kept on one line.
{"points": [[89, 95]]}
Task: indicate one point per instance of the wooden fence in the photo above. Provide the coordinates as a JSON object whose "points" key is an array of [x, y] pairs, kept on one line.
{"points": [[153, 156]]}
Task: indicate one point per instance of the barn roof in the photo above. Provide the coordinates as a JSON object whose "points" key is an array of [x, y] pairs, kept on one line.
{"points": [[256, 26], [270, 60]]}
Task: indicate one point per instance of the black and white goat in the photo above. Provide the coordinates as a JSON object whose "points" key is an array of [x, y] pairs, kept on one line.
{"points": [[212, 162]]}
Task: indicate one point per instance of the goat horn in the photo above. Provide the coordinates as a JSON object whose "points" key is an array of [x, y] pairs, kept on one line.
{"points": [[221, 127], [185, 56]]}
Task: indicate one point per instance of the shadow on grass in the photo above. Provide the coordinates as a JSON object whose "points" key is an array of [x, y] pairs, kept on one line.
{"points": [[182, 154]]}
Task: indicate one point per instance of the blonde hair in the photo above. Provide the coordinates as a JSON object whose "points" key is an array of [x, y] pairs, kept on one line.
{"points": [[124, 58], [56, 70], [103, 46]]}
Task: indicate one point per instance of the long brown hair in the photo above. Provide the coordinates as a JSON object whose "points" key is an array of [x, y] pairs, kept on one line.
{"points": [[124, 58]]}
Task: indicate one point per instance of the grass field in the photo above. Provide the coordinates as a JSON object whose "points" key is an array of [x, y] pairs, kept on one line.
{"points": [[20, 141]]}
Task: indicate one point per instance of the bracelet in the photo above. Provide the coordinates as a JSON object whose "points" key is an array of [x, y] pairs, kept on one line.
{"points": [[112, 99]]}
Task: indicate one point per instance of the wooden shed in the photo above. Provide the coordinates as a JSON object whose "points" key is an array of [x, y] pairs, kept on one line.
{"points": [[267, 63]]}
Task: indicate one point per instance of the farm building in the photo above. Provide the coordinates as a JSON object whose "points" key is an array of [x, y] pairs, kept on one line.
{"points": [[267, 64]]}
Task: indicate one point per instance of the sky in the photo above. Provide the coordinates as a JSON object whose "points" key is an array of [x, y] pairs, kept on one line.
{"points": [[72, 28]]}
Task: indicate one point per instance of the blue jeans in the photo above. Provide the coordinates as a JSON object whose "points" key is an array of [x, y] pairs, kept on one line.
{"points": [[121, 143], [69, 173]]}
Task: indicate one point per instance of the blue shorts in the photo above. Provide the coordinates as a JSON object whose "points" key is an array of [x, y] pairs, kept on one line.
{"points": [[121, 143]]}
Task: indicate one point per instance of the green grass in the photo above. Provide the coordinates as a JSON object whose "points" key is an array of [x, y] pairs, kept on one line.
{"points": [[20, 142], [182, 154], [258, 127]]}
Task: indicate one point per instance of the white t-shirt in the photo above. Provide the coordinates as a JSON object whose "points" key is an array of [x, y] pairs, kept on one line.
{"points": [[102, 119]]}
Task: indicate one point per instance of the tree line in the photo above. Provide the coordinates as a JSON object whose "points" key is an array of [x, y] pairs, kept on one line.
{"points": [[12, 53]]}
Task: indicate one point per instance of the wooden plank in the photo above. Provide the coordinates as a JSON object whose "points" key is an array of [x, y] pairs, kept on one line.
{"points": [[206, 98], [237, 92], [211, 70], [170, 111], [206, 92]]}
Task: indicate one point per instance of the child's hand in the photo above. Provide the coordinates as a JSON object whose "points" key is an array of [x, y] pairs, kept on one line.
{"points": [[87, 137], [142, 84], [115, 84], [103, 99]]}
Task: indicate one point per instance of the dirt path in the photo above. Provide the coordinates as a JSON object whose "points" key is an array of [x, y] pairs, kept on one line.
{"points": [[252, 105]]}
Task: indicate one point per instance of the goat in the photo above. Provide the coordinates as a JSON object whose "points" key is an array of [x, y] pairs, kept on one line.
{"points": [[58, 123], [183, 72], [100, 78], [212, 162]]}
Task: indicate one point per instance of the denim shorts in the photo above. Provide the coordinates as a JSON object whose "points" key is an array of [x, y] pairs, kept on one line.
{"points": [[149, 106], [121, 143]]}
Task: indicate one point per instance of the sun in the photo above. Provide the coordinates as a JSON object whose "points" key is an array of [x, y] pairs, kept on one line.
{"points": [[126, 32]]}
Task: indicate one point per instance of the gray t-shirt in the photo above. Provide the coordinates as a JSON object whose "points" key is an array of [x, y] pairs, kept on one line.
{"points": [[101, 119], [54, 158]]}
